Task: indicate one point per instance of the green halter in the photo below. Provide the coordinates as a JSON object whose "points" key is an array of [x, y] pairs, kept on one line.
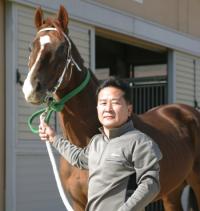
{"points": [[57, 106]]}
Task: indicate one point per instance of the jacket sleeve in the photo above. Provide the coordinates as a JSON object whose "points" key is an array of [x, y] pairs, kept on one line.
{"points": [[76, 156], [145, 157]]}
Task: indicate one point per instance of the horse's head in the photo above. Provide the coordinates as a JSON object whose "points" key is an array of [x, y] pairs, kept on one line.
{"points": [[50, 56]]}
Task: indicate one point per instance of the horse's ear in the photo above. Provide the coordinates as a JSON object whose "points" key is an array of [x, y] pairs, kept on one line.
{"points": [[63, 17], [38, 18]]}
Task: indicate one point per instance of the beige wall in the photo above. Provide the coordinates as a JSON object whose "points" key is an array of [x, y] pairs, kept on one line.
{"points": [[2, 111], [181, 15]]}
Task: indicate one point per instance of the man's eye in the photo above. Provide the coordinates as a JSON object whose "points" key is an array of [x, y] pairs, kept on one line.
{"points": [[115, 102]]}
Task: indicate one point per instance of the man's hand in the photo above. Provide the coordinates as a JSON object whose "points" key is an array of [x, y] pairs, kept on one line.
{"points": [[46, 133]]}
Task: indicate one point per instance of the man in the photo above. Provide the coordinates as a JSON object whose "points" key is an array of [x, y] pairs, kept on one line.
{"points": [[115, 154]]}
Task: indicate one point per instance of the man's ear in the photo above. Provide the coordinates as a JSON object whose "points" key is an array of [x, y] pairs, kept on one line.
{"points": [[130, 109]]}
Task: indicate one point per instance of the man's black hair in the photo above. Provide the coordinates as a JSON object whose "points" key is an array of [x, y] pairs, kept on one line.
{"points": [[119, 84]]}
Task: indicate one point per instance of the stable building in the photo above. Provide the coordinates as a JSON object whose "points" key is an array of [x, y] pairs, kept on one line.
{"points": [[154, 46]]}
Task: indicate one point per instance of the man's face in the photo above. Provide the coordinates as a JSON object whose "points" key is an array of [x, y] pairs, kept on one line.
{"points": [[113, 110]]}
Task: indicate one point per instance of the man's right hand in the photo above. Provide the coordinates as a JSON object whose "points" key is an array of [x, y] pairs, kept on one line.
{"points": [[46, 133]]}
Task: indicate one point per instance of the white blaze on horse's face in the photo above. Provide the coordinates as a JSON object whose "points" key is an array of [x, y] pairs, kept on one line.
{"points": [[29, 88]]}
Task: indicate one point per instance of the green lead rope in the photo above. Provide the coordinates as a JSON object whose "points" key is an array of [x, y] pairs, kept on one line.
{"points": [[57, 106]]}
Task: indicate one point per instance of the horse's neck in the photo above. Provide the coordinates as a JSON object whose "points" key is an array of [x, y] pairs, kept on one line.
{"points": [[79, 117]]}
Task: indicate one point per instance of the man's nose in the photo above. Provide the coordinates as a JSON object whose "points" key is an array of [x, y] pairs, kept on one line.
{"points": [[108, 106]]}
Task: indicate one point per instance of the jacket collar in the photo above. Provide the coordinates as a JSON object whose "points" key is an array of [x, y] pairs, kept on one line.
{"points": [[116, 132]]}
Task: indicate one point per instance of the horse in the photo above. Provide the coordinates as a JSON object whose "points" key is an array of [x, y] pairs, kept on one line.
{"points": [[56, 68]]}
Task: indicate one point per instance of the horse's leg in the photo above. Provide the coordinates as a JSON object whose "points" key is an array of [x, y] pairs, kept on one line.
{"points": [[74, 182], [194, 181], [78, 189], [172, 202]]}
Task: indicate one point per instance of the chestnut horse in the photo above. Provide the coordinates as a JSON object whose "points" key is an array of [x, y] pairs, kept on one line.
{"points": [[56, 68]]}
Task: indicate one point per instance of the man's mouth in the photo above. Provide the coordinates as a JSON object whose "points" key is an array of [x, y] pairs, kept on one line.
{"points": [[108, 117]]}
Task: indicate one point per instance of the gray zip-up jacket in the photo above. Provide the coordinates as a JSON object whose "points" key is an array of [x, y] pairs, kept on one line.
{"points": [[111, 160]]}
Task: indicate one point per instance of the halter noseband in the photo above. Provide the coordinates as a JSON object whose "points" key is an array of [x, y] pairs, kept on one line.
{"points": [[69, 60]]}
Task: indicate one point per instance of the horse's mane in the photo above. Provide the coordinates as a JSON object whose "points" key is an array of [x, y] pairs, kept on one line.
{"points": [[76, 53]]}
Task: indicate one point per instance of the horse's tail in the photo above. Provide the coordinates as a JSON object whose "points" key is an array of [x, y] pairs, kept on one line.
{"points": [[194, 177]]}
